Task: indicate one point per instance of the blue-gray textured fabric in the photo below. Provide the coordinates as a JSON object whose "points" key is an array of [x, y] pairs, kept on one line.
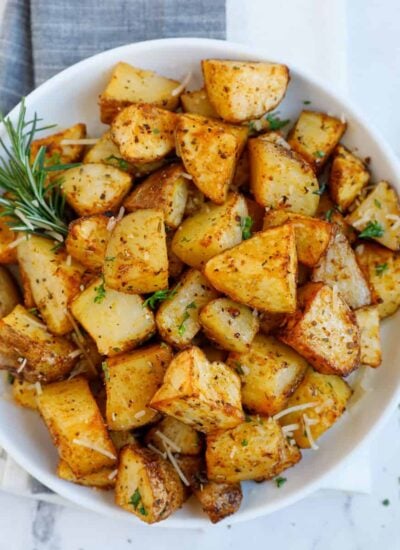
{"points": [[39, 38]]}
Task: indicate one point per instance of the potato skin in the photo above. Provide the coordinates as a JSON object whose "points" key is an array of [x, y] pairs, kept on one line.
{"points": [[9, 294], [370, 341], [87, 240], [185, 437], [347, 178], [56, 153], [103, 479]]}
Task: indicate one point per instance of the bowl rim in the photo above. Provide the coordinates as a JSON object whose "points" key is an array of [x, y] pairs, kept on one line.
{"points": [[60, 487]]}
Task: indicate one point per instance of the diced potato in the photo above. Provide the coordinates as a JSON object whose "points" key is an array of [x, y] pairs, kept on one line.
{"points": [[95, 188], [256, 449], [348, 176], [105, 151], [209, 150], [184, 437], [144, 133], [116, 321], [25, 394], [339, 268], [370, 340], [280, 178], [199, 393], [9, 295], [52, 278], [165, 190], [178, 317], [241, 177], [131, 380], [327, 396], [213, 229], [129, 84], [8, 252], [56, 151], [89, 362], [87, 240], [324, 330], [312, 235], [270, 372], [229, 324], [138, 250], [147, 485], [315, 135], [241, 90], [267, 262], [103, 479], [197, 103], [271, 321], [378, 216]]}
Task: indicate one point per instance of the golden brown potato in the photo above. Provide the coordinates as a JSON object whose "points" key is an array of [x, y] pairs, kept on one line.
{"points": [[256, 449], [241, 90], [370, 340], [229, 324], [268, 264], [348, 176], [144, 133], [8, 241], [213, 229], [105, 151], [327, 396], [199, 393], [76, 426], [25, 394], [129, 84], [116, 321], [270, 372], [280, 178], [165, 190], [184, 438], [137, 260], [56, 151], [147, 485], [178, 317], [315, 135], [9, 294], [89, 361], [197, 103], [131, 380], [87, 240], [122, 438], [103, 479], [324, 330], [269, 322]]}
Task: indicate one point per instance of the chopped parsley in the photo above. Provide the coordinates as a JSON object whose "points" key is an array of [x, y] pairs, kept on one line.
{"points": [[321, 190], [247, 418], [373, 229], [280, 481], [104, 366], [10, 378], [238, 368], [159, 296], [109, 258], [328, 214], [100, 293], [386, 502], [252, 127], [306, 102], [246, 224], [136, 502], [381, 268], [156, 131], [244, 442], [275, 123], [121, 163], [377, 203], [33, 310], [186, 315], [319, 154]]}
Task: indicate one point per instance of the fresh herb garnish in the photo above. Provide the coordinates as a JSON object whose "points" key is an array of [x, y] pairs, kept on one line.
{"points": [[156, 131], [386, 502], [319, 154], [238, 368], [54, 159], [377, 203], [328, 214], [109, 258], [373, 229], [247, 418], [252, 127], [100, 293], [381, 268], [10, 378], [33, 310], [186, 315], [244, 442], [321, 190], [246, 224], [306, 102], [280, 481], [159, 296], [275, 123], [135, 500], [122, 164], [104, 366]]}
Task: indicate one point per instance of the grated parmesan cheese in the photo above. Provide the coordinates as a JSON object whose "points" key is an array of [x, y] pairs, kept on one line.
{"points": [[111, 224], [233, 452], [168, 441], [93, 447], [81, 141], [153, 448], [17, 242], [295, 408], [181, 88], [139, 414], [307, 427], [22, 365], [186, 176], [290, 428], [120, 214], [75, 353], [175, 464], [38, 388], [68, 261], [112, 475]]}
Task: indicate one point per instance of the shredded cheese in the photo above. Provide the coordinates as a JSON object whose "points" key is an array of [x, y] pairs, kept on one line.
{"points": [[233, 452], [186, 176], [75, 353], [290, 428], [74, 326], [168, 441], [295, 408], [154, 449], [22, 365], [120, 214], [292, 442], [68, 261], [112, 475], [309, 435], [81, 141], [93, 447], [38, 388], [181, 88], [17, 242], [75, 338], [245, 370], [140, 414], [82, 288], [111, 224], [175, 464]]}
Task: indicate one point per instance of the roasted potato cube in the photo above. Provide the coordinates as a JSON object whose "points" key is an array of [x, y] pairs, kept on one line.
{"points": [[144, 133], [25, 394], [147, 485], [53, 280], [348, 176], [327, 396], [267, 262], [179, 436], [9, 240], [315, 136], [339, 268], [199, 393], [165, 190], [256, 449], [95, 188], [229, 324], [213, 229], [209, 150], [178, 317], [89, 360], [105, 151], [280, 178], [197, 103], [116, 321], [324, 330], [131, 381], [103, 479], [56, 151], [241, 90], [9, 295], [138, 250], [87, 240], [129, 85], [370, 340], [271, 321], [270, 372]]}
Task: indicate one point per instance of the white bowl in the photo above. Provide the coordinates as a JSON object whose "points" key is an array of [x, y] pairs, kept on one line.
{"points": [[71, 97]]}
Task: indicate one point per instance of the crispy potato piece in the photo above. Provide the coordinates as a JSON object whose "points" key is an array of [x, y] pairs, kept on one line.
{"points": [[9, 294], [105, 151], [184, 437], [324, 330], [103, 479], [116, 321], [229, 324], [52, 279], [271, 321], [312, 235], [56, 151], [76, 426], [197, 103], [178, 317], [165, 190], [212, 230], [267, 262], [129, 84], [147, 485], [270, 372], [348, 176], [138, 250], [25, 394], [327, 396], [339, 268], [131, 380], [144, 133], [256, 449], [280, 178], [199, 393], [315, 135], [241, 90], [209, 150], [8, 252], [87, 240], [370, 339]]}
